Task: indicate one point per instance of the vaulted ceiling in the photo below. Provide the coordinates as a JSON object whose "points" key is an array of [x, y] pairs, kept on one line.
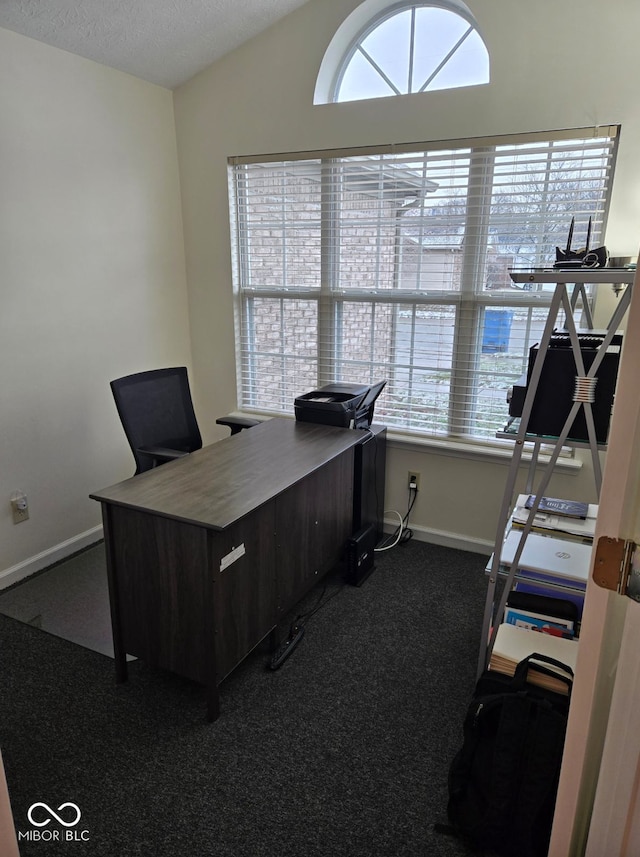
{"points": [[161, 41]]}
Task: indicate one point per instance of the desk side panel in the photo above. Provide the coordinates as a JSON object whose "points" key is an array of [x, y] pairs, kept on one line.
{"points": [[314, 519], [244, 586], [164, 592]]}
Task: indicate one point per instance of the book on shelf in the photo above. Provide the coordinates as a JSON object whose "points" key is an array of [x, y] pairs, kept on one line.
{"points": [[539, 622], [555, 506], [513, 644], [545, 522]]}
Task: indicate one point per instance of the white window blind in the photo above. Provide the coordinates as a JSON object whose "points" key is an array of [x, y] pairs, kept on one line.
{"points": [[360, 266]]}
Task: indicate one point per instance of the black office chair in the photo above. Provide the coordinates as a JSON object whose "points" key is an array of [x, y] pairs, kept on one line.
{"points": [[158, 418]]}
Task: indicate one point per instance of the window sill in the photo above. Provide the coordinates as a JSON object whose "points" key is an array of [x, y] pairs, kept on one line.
{"points": [[477, 451], [498, 454]]}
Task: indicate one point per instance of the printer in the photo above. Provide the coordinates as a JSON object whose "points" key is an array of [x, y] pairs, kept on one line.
{"points": [[339, 404]]}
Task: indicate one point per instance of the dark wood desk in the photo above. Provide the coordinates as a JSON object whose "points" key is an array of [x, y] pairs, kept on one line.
{"points": [[205, 554]]}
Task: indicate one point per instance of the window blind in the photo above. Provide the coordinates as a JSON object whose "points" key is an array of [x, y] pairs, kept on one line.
{"points": [[364, 265]]}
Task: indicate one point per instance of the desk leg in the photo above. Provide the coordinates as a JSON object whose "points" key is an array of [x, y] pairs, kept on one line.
{"points": [[119, 654], [120, 659]]}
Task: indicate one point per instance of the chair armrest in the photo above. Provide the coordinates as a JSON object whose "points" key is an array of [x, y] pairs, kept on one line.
{"points": [[161, 453], [236, 424]]}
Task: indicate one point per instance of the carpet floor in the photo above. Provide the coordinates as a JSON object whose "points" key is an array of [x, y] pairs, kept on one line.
{"points": [[343, 752]]}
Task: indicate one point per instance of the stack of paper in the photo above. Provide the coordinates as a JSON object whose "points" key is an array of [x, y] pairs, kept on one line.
{"points": [[514, 644]]}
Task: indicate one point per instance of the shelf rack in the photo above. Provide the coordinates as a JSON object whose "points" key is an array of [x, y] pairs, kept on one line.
{"points": [[561, 301]]}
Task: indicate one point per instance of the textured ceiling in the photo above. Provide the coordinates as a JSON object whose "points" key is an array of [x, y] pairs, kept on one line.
{"points": [[162, 41]]}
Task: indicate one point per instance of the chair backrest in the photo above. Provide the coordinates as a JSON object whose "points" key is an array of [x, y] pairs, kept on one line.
{"points": [[156, 410]]}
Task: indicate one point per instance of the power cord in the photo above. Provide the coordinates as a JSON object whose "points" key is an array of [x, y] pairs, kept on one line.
{"points": [[408, 532], [402, 533], [297, 629], [398, 530]]}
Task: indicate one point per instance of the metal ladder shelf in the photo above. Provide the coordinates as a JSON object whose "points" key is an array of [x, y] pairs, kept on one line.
{"points": [[561, 301]]}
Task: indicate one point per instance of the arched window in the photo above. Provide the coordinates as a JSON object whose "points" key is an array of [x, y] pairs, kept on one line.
{"points": [[403, 48]]}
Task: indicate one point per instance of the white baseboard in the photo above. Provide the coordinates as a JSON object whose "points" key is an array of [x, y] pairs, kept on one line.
{"points": [[445, 539], [52, 555]]}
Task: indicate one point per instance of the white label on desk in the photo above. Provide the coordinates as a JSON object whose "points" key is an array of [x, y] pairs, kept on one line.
{"points": [[235, 554]]}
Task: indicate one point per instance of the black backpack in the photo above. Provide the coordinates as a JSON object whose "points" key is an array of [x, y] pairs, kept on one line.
{"points": [[504, 779]]}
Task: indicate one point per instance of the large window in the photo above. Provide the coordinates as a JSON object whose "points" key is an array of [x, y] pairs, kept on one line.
{"points": [[359, 266]]}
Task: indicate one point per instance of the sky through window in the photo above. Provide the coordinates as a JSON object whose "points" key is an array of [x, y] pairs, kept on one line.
{"points": [[419, 48]]}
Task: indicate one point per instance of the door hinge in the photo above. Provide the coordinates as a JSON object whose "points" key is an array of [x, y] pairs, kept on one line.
{"points": [[614, 567]]}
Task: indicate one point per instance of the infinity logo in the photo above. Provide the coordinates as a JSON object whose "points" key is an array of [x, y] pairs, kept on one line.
{"points": [[54, 814]]}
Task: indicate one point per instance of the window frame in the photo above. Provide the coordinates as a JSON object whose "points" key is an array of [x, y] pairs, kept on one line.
{"points": [[468, 303], [364, 21]]}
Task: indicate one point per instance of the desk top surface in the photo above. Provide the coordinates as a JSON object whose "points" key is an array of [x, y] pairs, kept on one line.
{"points": [[223, 482]]}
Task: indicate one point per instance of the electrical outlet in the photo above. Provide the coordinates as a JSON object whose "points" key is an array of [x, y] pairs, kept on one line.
{"points": [[414, 479], [19, 507]]}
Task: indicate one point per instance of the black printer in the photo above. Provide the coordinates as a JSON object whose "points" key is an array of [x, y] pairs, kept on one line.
{"points": [[339, 404]]}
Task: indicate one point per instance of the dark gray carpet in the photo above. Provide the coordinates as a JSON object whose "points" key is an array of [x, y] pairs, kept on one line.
{"points": [[343, 752]]}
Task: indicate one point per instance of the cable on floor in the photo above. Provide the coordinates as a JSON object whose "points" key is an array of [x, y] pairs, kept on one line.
{"points": [[403, 532]]}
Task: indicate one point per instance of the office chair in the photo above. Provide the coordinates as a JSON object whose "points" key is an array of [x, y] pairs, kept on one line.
{"points": [[158, 418]]}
